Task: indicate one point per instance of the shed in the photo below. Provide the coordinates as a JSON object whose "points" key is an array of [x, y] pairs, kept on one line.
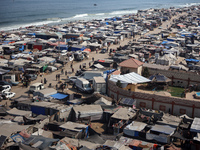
{"points": [[93, 112], [99, 85], [16, 112], [134, 128], [45, 92], [124, 114]]}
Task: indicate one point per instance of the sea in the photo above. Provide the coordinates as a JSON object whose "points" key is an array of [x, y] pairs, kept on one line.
{"points": [[22, 13]]}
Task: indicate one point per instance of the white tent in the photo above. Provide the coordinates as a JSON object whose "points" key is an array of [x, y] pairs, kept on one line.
{"points": [[132, 77]]}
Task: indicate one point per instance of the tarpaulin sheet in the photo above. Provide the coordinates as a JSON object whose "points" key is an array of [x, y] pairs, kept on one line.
{"points": [[59, 96]]}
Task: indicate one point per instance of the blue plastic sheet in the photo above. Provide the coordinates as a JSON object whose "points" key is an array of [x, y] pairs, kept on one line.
{"points": [[59, 96]]}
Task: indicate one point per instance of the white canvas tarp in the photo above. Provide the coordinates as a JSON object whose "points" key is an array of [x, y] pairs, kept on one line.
{"points": [[132, 78], [195, 127]]}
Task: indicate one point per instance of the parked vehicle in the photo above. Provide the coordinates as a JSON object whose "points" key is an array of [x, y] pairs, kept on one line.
{"points": [[5, 83], [36, 87], [83, 85], [72, 79], [31, 76], [103, 51], [5, 88], [8, 95]]}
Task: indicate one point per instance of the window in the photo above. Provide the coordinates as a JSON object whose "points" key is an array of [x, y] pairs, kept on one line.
{"points": [[142, 104], [162, 108], [182, 111]]}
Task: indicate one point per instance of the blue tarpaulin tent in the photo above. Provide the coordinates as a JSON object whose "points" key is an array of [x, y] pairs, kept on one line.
{"points": [[192, 60], [109, 71], [21, 48], [59, 96], [164, 42], [62, 47]]}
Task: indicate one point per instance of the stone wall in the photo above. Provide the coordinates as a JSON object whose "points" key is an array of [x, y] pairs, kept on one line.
{"points": [[176, 106]]}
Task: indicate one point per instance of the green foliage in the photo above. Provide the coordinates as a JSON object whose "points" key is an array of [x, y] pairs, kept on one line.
{"points": [[175, 91]]}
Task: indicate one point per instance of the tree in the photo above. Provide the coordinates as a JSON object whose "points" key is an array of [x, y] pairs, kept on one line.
{"points": [[145, 72]]}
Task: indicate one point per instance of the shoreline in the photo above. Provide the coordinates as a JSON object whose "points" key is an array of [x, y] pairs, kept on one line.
{"points": [[64, 21]]}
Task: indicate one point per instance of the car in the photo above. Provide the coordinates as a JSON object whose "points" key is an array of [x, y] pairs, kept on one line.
{"points": [[5, 88], [160, 27], [31, 76], [103, 51], [5, 83], [8, 95], [71, 80]]}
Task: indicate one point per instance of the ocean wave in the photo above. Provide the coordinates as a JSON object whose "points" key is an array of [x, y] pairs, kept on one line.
{"points": [[80, 15], [123, 12], [84, 16], [100, 14], [13, 27], [188, 4]]}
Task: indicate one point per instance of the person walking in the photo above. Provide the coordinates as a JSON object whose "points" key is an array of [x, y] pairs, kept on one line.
{"points": [[45, 80], [80, 66], [62, 71], [72, 70], [66, 72], [56, 77]]}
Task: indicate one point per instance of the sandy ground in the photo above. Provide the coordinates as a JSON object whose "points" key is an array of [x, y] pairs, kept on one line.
{"points": [[51, 78]]}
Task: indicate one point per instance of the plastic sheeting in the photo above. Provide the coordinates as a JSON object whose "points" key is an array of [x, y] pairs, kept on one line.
{"points": [[132, 77], [195, 127], [59, 96]]}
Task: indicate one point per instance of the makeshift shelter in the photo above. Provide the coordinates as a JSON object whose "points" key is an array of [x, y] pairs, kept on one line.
{"points": [[99, 85], [16, 112], [167, 59], [128, 81], [45, 92], [134, 128], [159, 81], [195, 127], [77, 130], [88, 112]]}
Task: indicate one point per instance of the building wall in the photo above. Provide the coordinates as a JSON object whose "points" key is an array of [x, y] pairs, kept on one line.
{"points": [[177, 106], [179, 78], [139, 70], [136, 70]]}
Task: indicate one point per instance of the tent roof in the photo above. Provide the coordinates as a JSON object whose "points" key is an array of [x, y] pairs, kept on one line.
{"points": [[163, 129], [132, 77], [123, 114], [17, 112], [195, 127], [159, 78], [59, 96], [73, 126], [136, 126]]}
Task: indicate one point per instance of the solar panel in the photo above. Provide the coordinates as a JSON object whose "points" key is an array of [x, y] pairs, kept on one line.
{"points": [[127, 101]]}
